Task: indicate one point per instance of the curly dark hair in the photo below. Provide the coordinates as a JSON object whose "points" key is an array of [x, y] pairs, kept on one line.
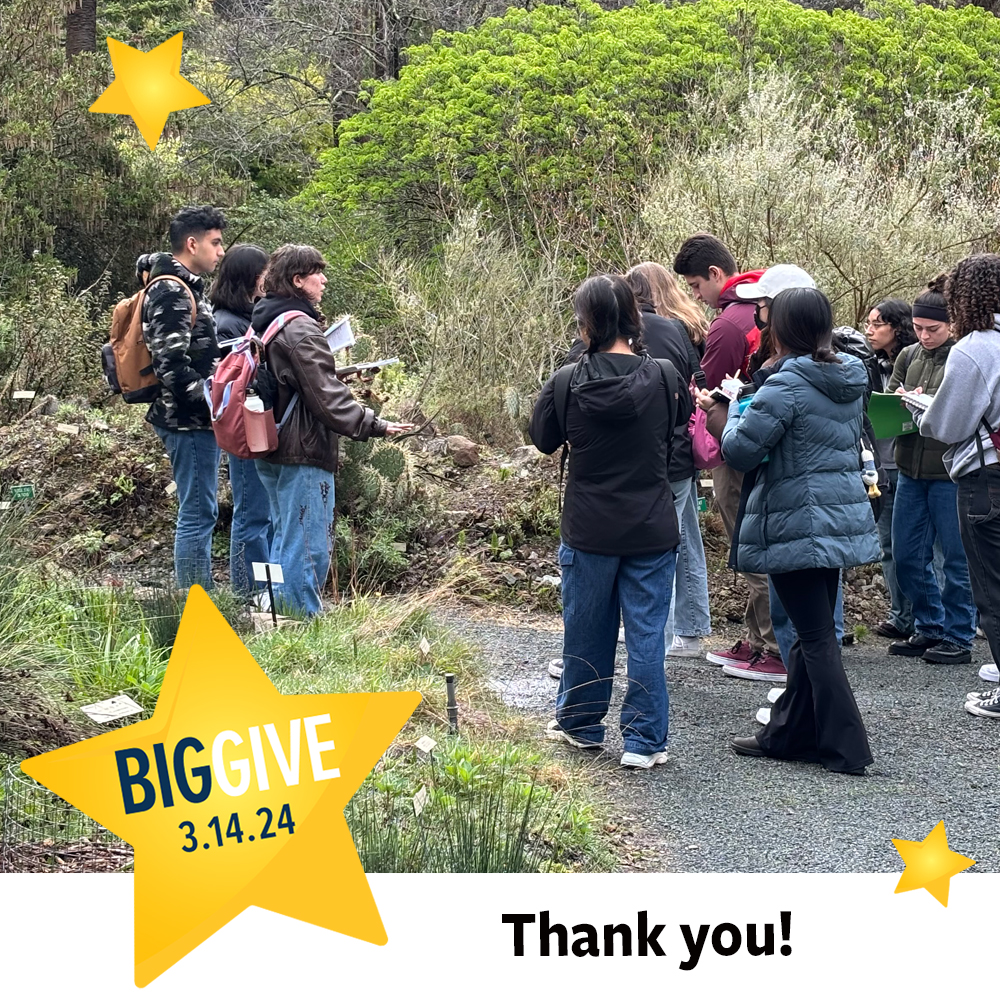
{"points": [[194, 221], [899, 315], [973, 293], [606, 309]]}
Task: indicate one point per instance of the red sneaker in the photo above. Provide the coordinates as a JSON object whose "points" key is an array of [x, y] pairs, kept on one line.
{"points": [[760, 667], [739, 655]]}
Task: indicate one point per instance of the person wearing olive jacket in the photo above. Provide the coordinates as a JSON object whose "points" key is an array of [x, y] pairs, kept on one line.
{"points": [[314, 407], [925, 508], [807, 518]]}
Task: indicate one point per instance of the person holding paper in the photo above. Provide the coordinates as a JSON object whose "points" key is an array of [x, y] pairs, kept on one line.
{"points": [[889, 329], [944, 618], [965, 415], [314, 407]]}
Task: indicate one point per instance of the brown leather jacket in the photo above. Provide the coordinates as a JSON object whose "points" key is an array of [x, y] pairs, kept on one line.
{"points": [[301, 360]]}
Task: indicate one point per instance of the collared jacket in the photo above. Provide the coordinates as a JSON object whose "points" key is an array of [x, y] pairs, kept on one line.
{"points": [[300, 359], [808, 508], [917, 456], [183, 356]]}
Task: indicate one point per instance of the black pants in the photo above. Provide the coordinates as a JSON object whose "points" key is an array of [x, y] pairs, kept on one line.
{"points": [[979, 522], [817, 718]]}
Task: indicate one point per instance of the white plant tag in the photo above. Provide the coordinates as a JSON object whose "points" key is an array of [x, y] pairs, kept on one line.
{"points": [[111, 709], [399, 546], [68, 428], [23, 394], [260, 572], [425, 744], [171, 489], [420, 800], [424, 647]]}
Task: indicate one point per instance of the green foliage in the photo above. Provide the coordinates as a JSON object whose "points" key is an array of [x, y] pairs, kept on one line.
{"points": [[551, 119]]}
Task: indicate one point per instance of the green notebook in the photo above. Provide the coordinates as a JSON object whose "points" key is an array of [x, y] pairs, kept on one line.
{"points": [[889, 417]]}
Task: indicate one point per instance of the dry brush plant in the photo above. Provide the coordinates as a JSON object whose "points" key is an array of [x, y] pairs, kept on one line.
{"points": [[786, 180]]}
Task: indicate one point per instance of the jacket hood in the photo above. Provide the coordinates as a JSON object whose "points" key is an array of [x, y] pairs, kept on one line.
{"points": [[729, 296], [841, 383], [603, 394], [269, 308], [167, 263]]}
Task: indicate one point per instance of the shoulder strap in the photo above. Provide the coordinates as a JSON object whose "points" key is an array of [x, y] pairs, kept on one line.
{"points": [[180, 281], [277, 324], [696, 373], [560, 392], [669, 373]]}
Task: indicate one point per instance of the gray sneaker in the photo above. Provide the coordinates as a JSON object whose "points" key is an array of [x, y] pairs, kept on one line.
{"points": [[553, 732], [643, 760], [988, 707]]}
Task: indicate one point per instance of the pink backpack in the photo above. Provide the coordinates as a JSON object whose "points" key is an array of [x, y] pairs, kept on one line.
{"points": [[241, 424]]}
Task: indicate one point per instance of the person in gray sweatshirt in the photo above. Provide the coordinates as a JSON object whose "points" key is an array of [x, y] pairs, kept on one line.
{"points": [[965, 415]]}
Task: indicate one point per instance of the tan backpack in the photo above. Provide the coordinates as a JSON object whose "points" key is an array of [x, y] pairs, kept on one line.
{"points": [[127, 363]]}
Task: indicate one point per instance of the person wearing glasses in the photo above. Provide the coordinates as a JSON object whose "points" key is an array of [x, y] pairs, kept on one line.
{"points": [[889, 328]]}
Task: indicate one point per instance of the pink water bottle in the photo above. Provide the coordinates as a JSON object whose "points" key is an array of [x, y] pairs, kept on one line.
{"points": [[256, 424]]}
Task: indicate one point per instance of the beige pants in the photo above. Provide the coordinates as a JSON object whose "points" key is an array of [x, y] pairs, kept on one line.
{"points": [[758, 614]]}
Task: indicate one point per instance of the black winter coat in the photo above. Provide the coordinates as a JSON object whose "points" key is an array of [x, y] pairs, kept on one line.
{"points": [[618, 499]]}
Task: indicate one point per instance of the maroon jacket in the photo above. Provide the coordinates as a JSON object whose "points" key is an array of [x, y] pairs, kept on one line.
{"points": [[732, 336]]}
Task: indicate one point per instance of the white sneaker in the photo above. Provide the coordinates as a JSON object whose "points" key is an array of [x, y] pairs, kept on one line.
{"points": [[774, 694], [555, 668], [763, 716], [686, 646], [644, 760], [980, 634], [621, 634], [989, 673], [553, 732]]}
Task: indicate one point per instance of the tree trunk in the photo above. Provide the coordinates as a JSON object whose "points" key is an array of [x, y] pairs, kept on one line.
{"points": [[81, 28]]}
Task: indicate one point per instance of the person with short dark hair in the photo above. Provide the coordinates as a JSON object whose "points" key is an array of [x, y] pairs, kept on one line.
{"points": [[889, 328], [237, 287], [710, 270], [807, 519], [313, 407], [965, 415], [184, 353], [617, 410], [944, 616]]}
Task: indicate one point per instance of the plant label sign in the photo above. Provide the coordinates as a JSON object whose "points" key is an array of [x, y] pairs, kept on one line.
{"points": [[260, 572], [5, 505], [68, 428], [171, 489], [26, 491], [425, 745], [702, 504], [111, 709], [23, 394], [420, 800]]}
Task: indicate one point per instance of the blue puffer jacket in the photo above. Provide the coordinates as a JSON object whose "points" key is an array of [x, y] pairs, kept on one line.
{"points": [[808, 508]]}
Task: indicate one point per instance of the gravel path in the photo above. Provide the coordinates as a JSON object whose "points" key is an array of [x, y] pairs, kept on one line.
{"points": [[708, 810]]}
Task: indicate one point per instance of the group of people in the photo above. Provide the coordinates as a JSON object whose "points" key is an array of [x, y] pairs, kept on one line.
{"points": [[283, 504], [804, 489]]}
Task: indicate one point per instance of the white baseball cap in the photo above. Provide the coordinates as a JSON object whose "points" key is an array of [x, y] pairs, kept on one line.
{"points": [[774, 280]]}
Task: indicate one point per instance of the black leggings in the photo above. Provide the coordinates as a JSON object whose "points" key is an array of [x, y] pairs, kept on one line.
{"points": [[816, 719]]}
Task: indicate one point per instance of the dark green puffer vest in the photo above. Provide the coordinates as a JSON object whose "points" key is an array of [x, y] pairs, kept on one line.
{"points": [[917, 456]]}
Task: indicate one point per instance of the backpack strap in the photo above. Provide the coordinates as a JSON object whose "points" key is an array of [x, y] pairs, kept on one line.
{"points": [[669, 374], [275, 326], [696, 373], [560, 392], [180, 281]]}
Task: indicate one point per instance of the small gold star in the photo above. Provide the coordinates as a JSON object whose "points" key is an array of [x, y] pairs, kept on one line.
{"points": [[148, 86], [930, 864]]}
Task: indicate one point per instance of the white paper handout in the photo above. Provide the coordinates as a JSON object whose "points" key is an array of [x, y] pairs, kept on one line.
{"points": [[339, 334]]}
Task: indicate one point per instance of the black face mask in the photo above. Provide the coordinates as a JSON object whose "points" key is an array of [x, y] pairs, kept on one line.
{"points": [[758, 321]]}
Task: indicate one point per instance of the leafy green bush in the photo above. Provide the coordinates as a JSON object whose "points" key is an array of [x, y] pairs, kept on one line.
{"points": [[552, 118]]}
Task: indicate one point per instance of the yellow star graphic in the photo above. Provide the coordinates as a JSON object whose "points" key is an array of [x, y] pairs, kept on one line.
{"points": [[232, 795], [148, 86], [930, 864]]}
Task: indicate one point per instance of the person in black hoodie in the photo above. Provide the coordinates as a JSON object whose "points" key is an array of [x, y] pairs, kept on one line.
{"points": [[617, 408], [238, 285]]}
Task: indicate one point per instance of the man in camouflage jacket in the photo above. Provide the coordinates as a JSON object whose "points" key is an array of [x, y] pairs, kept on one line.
{"points": [[184, 355]]}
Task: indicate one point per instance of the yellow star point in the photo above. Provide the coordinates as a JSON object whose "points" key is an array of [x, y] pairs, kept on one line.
{"points": [[148, 86], [232, 795], [930, 864]]}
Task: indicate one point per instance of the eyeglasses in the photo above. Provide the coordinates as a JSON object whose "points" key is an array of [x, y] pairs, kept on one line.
{"points": [[870, 325]]}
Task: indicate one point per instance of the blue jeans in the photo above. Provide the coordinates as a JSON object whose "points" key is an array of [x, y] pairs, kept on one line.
{"points": [[251, 534], [784, 630], [301, 499], [689, 614], [596, 590], [925, 510], [194, 458], [900, 611]]}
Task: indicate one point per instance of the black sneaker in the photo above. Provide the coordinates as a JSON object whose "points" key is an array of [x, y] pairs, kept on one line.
{"points": [[848, 639], [916, 645], [988, 708], [890, 631], [947, 652]]}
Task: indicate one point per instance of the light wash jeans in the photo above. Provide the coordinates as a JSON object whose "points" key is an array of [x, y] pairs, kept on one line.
{"points": [[194, 458], [927, 510], [784, 630], [596, 590], [689, 615], [302, 510], [251, 534]]}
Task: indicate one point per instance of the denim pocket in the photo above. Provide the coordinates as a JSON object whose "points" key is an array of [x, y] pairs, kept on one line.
{"points": [[566, 554], [982, 489]]}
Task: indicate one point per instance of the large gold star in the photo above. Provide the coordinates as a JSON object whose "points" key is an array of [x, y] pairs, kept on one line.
{"points": [[930, 864], [232, 795], [148, 86]]}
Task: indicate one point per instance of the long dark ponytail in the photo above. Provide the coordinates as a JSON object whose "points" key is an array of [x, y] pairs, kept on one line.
{"points": [[606, 309], [801, 321]]}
